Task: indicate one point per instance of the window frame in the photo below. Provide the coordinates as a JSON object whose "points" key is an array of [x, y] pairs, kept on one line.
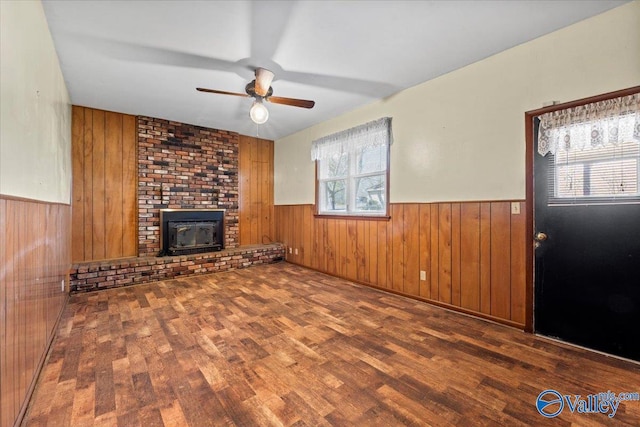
{"points": [[350, 186]]}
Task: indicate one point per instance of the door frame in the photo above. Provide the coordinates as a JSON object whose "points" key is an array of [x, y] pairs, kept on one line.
{"points": [[529, 117]]}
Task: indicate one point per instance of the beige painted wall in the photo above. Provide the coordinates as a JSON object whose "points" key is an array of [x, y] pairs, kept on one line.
{"points": [[35, 108], [460, 137]]}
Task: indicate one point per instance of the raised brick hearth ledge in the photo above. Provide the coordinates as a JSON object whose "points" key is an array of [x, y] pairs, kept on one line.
{"points": [[93, 276]]}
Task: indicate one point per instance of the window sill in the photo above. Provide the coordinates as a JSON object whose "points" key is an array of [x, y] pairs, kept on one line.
{"points": [[358, 217]]}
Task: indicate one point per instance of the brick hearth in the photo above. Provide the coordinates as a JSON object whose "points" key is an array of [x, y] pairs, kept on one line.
{"points": [[93, 276]]}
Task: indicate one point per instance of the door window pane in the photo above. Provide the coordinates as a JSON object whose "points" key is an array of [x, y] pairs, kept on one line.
{"points": [[615, 178], [570, 182], [603, 174]]}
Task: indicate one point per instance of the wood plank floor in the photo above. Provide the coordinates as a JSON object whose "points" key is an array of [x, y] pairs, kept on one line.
{"points": [[283, 345]]}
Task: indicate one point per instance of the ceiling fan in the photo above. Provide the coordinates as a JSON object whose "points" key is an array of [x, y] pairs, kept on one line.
{"points": [[260, 89]]}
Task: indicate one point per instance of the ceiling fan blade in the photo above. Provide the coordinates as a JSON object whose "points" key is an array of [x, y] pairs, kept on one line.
{"points": [[221, 92], [127, 51], [345, 84], [291, 101], [264, 78], [265, 41]]}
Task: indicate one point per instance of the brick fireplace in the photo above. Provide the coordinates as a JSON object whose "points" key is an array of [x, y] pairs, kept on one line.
{"points": [[182, 166], [185, 168]]}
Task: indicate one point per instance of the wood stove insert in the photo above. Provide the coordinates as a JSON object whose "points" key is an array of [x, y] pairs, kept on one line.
{"points": [[190, 231]]}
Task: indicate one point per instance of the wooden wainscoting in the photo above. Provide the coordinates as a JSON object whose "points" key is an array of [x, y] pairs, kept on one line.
{"points": [[473, 254], [35, 257], [105, 181], [255, 168]]}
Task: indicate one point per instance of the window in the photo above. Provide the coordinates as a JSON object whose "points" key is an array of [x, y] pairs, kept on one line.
{"points": [[609, 172], [593, 152], [352, 170]]}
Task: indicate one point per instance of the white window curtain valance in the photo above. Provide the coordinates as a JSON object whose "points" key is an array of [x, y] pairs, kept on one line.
{"points": [[590, 126], [373, 134]]}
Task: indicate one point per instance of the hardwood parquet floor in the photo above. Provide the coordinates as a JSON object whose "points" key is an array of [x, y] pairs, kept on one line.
{"points": [[284, 345]]}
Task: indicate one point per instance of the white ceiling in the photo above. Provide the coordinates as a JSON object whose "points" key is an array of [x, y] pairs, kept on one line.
{"points": [[147, 57]]}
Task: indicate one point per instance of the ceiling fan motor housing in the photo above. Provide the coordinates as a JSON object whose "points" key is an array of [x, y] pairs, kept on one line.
{"points": [[251, 90]]}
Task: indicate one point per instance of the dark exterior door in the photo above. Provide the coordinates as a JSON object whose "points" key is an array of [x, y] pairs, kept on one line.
{"points": [[586, 267]]}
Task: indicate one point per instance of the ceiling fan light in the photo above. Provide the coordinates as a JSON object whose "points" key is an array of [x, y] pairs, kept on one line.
{"points": [[259, 113]]}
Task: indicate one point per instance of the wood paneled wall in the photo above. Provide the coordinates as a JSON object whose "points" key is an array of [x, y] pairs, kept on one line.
{"points": [[473, 254], [255, 160], [104, 199], [35, 257]]}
